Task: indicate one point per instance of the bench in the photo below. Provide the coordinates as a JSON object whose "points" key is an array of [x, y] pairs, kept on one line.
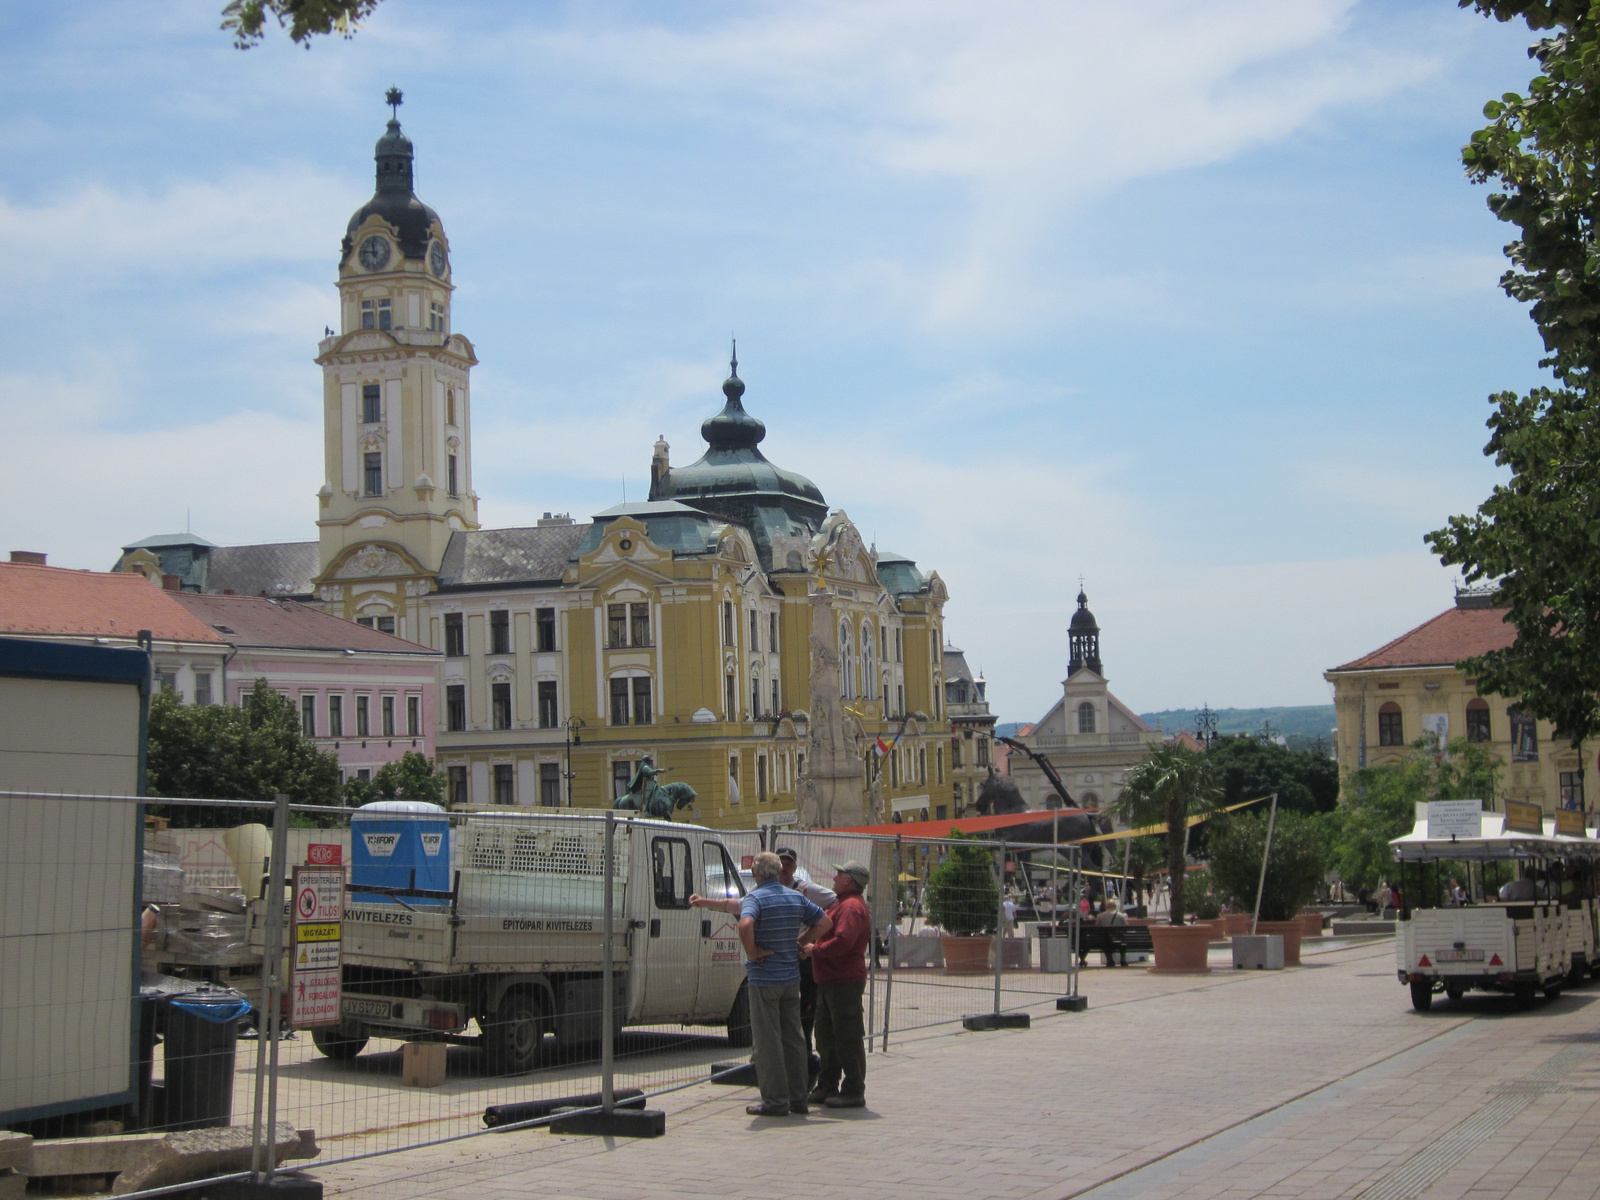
{"points": [[1113, 940]]}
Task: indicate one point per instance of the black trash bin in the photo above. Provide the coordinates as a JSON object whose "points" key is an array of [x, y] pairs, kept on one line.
{"points": [[202, 1035]]}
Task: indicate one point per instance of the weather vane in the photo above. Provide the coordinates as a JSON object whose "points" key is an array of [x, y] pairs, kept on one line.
{"points": [[394, 99]]}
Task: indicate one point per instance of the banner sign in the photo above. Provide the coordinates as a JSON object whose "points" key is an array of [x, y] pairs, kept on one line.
{"points": [[1524, 818], [1455, 818], [1570, 823]]}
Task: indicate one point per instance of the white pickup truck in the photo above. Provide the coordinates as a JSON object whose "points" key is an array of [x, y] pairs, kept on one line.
{"points": [[518, 947]]}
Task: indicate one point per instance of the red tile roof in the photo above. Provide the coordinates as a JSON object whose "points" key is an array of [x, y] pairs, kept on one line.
{"points": [[261, 622], [38, 601], [1453, 635]]}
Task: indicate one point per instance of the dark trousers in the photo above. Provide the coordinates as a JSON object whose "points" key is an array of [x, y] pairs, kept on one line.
{"points": [[841, 1039], [808, 1001]]}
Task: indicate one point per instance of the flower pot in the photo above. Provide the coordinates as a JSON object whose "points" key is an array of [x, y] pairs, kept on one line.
{"points": [[966, 955], [1180, 949], [1291, 931], [1234, 924], [1311, 924]]}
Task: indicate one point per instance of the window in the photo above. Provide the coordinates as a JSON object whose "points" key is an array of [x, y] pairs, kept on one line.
{"points": [[505, 787], [450, 406], [364, 774], [376, 314], [938, 764], [335, 716], [940, 812], [363, 716], [733, 779], [1086, 717], [777, 706], [202, 687], [761, 779], [755, 631], [755, 699], [545, 627], [452, 480], [721, 879], [374, 473], [455, 708], [1390, 732], [308, 716], [616, 625], [899, 647], [371, 403], [435, 317], [670, 858], [869, 668], [641, 701], [385, 624], [1478, 721], [619, 701], [731, 710], [955, 753], [455, 640], [499, 632], [549, 713], [550, 785], [639, 624], [1572, 790], [621, 777], [922, 764], [387, 708], [900, 700], [501, 705], [894, 768], [983, 752], [458, 785], [413, 716], [772, 632], [640, 709], [727, 623], [847, 670]]}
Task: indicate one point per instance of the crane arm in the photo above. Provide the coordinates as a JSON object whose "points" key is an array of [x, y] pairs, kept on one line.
{"points": [[1043, 764]]}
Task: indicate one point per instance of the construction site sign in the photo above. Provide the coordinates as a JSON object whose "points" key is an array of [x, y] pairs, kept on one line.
{"points": [[315, 981]]}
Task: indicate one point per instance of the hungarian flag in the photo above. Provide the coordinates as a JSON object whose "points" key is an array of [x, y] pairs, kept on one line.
{"points": [[880, 748]]}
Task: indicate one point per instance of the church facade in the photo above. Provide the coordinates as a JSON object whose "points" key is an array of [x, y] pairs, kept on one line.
{"points": [[732, 627]]}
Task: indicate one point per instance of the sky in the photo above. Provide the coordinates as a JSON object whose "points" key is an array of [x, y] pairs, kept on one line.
{"points": [[1189, 300]]}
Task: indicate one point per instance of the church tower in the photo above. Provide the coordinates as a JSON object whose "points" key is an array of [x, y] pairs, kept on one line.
{"points": [[397, 409]]}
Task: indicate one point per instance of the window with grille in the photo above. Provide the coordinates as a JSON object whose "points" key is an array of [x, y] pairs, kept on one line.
{"points": [[549, 714], [455, 707], [502, 705], [499, 632]]}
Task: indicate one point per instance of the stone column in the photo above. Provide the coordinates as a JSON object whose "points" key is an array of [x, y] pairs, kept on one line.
{"points": [[832, 790]]}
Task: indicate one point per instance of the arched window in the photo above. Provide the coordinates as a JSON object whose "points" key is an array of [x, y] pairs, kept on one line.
{"points": [[1390, 731], [1086, 717], [869, 668], [1478, 720], [1090, 800], [847, 675]]}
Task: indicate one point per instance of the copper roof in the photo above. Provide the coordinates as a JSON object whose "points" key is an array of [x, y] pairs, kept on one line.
{"points": [[1453, 635], [262, 622], [55, 600]]}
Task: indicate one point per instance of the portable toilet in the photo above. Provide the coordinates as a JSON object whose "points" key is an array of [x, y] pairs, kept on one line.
{"points": [[391, 839]]}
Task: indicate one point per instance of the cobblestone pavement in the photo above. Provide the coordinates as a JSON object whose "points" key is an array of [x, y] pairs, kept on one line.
{"points": [[1309, 1083]]}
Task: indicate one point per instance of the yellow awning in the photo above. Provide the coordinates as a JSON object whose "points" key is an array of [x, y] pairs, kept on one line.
{"points": [[1147, 830]]}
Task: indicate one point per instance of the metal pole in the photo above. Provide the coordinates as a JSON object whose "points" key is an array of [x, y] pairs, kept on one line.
{"points": [[999, 922], [1272, 819], [608, 1000], [1075, 883], [888, 982], [872, 952], [1127, 853], [280, 855]]}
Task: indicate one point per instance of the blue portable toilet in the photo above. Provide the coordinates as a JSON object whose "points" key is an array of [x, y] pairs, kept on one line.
{"points": [[391, 838]]}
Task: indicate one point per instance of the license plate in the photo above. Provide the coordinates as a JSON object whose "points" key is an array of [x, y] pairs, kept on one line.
{"points": [[367, 1008], [1459, 956]]}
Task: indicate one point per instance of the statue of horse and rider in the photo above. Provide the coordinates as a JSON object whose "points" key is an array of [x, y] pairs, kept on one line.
{"points": [[651, 798]]}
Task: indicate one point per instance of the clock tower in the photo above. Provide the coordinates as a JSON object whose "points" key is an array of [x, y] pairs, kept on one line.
{"points": [[397, 407]]}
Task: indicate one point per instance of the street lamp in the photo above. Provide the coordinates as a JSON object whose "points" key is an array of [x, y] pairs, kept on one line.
{"points": [[573, 724]]}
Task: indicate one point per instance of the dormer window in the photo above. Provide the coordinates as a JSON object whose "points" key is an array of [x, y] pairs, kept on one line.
{"points": [[376, 314], [371, 404]]}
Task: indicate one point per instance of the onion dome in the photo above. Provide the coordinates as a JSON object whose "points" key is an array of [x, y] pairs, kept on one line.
{"points": [[393, 198]]}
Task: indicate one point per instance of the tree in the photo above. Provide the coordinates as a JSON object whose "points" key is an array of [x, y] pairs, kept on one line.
{"points": [[1536, 535], [1296, 866], [252, 752], [1170, 784], [1248, 767], [413, 777], [1379, 803], [963, 898], [305, 19]]}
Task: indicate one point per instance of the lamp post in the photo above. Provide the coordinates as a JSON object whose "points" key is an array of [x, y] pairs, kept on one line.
{"points": [[573, 724]]}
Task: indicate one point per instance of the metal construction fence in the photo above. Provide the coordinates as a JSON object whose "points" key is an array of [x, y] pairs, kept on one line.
{"points": [[301, 981]]}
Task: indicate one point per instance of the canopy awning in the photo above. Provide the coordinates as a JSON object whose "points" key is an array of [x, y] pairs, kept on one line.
{"points": [[1494, 841]]}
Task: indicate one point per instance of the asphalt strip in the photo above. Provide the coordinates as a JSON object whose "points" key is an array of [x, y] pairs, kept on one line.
{"points": [[1141, 1179]]}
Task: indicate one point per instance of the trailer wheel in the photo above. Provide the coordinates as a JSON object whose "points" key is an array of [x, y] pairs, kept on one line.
{"points": [[1454, 990], [739, 1034], [1422, 994], [1524, 995], [335, 1044], [1552, 991], [1579, 972], [513, 1036]]}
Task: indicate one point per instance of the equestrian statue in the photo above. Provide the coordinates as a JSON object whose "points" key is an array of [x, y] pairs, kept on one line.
{"points": [[653, 799]]}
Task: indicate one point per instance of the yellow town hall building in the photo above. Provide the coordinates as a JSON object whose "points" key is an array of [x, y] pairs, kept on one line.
{"points": [[731, 627]]}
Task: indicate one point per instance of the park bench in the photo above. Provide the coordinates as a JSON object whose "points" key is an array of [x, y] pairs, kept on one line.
{"points": [[1113, 941]]}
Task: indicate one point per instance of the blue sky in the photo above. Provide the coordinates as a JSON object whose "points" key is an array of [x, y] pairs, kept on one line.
{"points": [[1196, 304]]}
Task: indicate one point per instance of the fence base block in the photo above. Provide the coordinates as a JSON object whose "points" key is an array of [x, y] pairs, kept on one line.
{"points": [[985, 1021], [734, 1074], [284, 1185], [619, 1122], [1072, 1004]]}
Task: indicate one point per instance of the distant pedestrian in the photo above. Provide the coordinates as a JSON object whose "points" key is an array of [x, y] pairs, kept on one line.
{"points": [[838, 959], [1009, 907]]}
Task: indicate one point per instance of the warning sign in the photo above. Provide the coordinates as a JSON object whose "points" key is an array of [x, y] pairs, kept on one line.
{"points": [[315, 975]]}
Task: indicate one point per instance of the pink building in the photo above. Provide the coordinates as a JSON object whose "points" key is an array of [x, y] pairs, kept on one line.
{"points": [[365, 695]]}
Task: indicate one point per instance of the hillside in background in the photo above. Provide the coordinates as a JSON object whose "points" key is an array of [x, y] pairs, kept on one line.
{"points": [[1307, 721]]}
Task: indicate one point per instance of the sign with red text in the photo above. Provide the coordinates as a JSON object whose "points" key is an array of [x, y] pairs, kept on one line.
{"points": [[315, 968]]}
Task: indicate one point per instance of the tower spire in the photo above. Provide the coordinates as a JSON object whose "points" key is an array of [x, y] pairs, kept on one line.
{"points": [[733, 361], [394, 98]]}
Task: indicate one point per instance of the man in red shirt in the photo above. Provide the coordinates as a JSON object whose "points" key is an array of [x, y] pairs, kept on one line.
{"points": [[838, 961]]}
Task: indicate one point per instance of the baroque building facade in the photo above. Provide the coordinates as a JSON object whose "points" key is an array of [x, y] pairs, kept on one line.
{"points": [[732, 627]]}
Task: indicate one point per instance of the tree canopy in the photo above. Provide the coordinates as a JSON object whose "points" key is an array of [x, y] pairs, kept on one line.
{"points": [[1169, 785], [1536, 535], [1296, 865], [412, 777], [304, 19], [1249, 767]]}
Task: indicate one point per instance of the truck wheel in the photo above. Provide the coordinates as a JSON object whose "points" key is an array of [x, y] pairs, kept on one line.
{"points": [[739, 1034], [513, 1036], [1552, 991], [1422, 994], [1454, 990], [1524, 995], [335, 1044]]}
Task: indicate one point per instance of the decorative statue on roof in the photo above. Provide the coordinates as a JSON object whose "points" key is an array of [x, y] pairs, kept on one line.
{"points": [[654, 799]]}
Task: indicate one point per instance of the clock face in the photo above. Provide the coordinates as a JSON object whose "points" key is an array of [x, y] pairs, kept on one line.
{"points": [[375, 253], [436, 259]]}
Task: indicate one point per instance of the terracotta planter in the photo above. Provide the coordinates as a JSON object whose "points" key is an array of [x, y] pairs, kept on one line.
{"points": [[1180, 949], [1235, 924], [1291, 931], [966, 955], [1310, 924]]}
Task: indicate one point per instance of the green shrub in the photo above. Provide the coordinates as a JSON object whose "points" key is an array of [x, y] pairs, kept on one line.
{"points": [[1295, 871], [963, 899], [1200, 897]]}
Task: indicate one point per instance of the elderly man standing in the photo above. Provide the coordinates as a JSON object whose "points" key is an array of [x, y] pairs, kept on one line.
{"points": [[773, 920], [838, 960]]}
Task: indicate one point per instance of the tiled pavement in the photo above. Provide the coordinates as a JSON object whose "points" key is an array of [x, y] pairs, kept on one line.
{"points": [[1310, 1083]]}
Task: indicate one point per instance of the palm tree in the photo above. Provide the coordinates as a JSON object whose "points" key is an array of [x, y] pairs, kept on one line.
{"points": [[1170, 785]]}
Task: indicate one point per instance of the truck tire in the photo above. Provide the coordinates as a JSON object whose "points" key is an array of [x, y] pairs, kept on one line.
{"points": [[336, 1045], [513, 1037], [1578, 973], [1454, 990], [1422, 994], [739, 1034], [1523, 991], [1552, 991]]}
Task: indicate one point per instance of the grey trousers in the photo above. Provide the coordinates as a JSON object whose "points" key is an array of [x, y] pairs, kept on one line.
{"points": [[779, 1045]]}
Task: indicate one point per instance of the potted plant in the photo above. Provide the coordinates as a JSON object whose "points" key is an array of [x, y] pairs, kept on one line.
{"points": [[963, 901], [1168, 786], [1295, 870]]}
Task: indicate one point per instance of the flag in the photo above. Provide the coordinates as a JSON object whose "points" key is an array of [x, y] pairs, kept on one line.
{"points": [[880, 749]]}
